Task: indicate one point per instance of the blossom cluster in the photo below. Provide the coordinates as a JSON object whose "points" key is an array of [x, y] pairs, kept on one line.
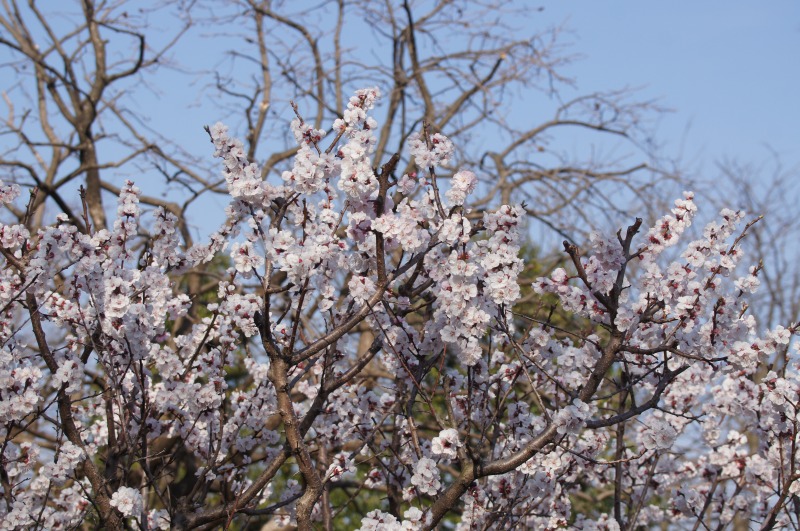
{"points": [[438, 153]]}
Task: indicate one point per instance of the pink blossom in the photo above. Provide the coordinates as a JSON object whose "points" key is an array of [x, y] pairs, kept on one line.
{"points": [[426, 476], [128, 501], [446, 443]]}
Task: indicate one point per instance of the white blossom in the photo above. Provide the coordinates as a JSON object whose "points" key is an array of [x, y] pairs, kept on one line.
{"points": [[446, 443], [128, 501], [426, 476]]}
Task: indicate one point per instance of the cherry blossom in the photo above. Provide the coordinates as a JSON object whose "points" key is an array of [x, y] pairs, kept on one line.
{"points": [[128, 501], [446, 443], [437, 154], [426, 476]]}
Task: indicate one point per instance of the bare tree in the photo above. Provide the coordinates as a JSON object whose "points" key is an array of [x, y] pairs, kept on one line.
{"points": [[458, 67], [69, 118], [463, 68]]}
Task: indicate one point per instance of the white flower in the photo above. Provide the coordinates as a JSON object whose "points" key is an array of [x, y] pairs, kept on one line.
{"points": [[158, 519], [361, 288], [245, 258], [438, 155], [342, 465], [414, 519], [658, 435], [407, 184], [379, 521], [462, 184], [446, 443], [426, 476], [128, 501], [571, 418], [69, 456]]}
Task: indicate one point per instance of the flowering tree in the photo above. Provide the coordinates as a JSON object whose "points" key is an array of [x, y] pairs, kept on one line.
{"points": [[363, 364]]}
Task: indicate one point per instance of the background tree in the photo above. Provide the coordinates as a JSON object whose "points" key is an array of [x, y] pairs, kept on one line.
{"points": [[66, 103], [75, 113]]}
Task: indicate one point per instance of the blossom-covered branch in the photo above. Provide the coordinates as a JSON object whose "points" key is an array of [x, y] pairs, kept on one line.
{"points": [[365, 359]]}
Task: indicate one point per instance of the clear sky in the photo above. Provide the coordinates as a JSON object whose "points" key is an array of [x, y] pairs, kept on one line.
{"points": [[729, 69]]}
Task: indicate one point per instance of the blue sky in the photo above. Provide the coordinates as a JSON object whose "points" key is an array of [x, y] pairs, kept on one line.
{"points": [[729, 70]]}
